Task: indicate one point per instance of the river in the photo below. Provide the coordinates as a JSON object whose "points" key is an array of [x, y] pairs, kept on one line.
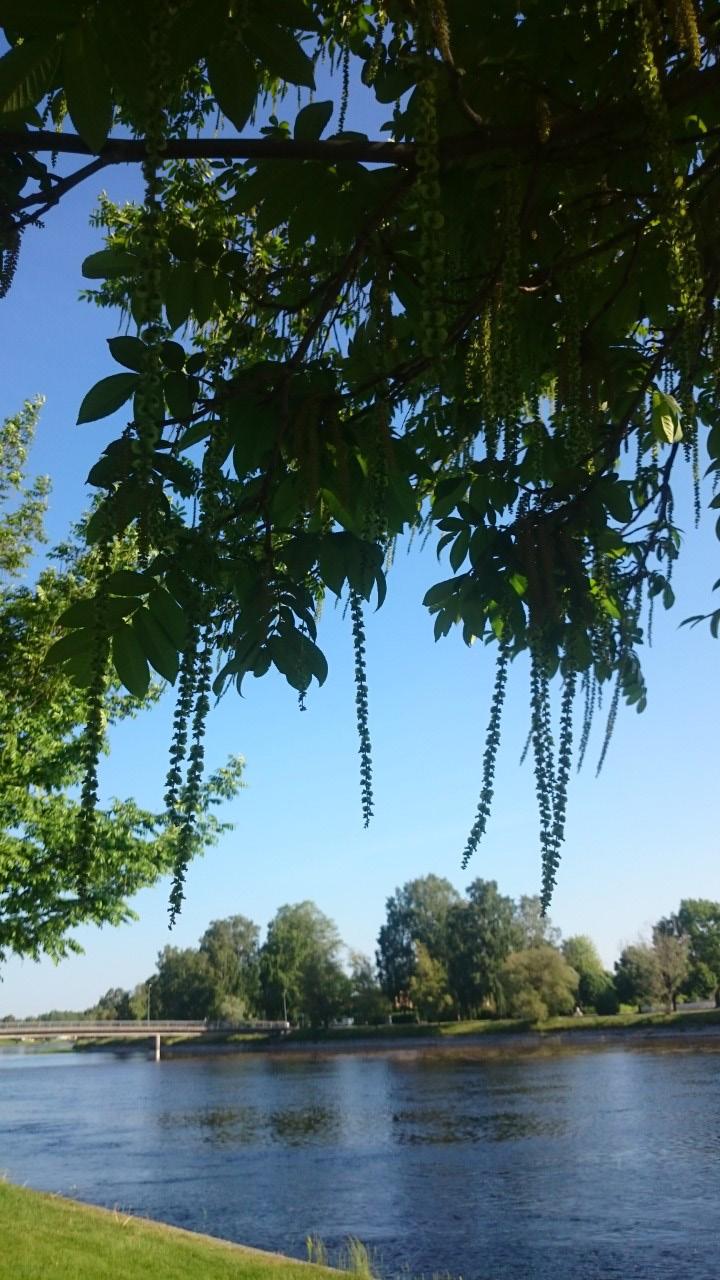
{"points": [[575, 1166]]}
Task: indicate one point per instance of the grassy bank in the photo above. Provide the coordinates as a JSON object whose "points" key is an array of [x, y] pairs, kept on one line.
{"points": [[44, 1236], [395, 1035], [696, 1020]]}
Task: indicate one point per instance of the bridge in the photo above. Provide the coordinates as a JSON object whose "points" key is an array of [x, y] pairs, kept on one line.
{"points": [[122, 1030]]}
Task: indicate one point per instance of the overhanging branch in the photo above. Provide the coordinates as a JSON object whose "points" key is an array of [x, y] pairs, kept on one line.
{"points": [[134, 150]]}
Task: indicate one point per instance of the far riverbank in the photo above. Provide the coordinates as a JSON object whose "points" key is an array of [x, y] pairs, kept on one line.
{"points": [[501, 1037]]}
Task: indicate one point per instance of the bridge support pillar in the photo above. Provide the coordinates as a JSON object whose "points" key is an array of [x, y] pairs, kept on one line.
{"points": [[157, 1046]]}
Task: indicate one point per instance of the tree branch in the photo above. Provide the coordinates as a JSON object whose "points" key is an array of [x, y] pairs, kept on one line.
{"points": [[46, 200], [134, 150]]}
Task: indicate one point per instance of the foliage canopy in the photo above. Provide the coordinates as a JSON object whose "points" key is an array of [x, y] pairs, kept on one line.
{"points": [[499, 323]]}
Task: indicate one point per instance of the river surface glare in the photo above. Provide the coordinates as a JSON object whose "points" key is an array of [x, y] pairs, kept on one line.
{"points": [[571, 1167]]}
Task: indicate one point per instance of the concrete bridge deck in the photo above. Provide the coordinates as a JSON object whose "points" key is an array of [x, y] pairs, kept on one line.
{"points": [[120, 1030]]}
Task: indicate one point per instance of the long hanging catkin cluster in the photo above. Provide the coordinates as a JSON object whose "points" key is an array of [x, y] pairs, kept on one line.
{"points": [[183, 800], [181, 721], [492, 743], [94, 734], [361, 705], [192, 791], [10, 235]]}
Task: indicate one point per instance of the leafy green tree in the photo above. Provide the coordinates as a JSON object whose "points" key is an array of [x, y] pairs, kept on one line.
{"points": [[233, 952], [50, 881], [596, 989], [337, 339], [369, 1004], [183, 985], [698, 920], [140, 1005], [533, 926], [673, 965], [415, 914], [114, 1005], [300, 950], [326, 989], [605, 999], [481, 934], [229, 1009], [429, 986], [538, 983], [637, 976]]}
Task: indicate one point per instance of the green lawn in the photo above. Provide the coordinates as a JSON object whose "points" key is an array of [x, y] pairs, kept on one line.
{"points": [[679, 1021], [44, 1236]]}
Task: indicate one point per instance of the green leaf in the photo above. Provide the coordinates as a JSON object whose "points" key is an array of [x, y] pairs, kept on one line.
{"points": [[173, 356], [117, 510], [196, 362], [332, 561], [109, 264], [70, 646], [80, 669], [110, 468], [167, 612], [128, 582], [280, 53], [131, 352], [616, 499], [178, 294], [666, 418], [194, 434], [610, 605], [129, 661], [287, 655], [459, 548], [440, 593], [392, 84], [26, 73], [204, 293], [155, 644], [107, 396], [180, 474], [314, 658], [84, 613], [178, 389], [311, 121], [87, 86], [233, 82], [183, 242]]}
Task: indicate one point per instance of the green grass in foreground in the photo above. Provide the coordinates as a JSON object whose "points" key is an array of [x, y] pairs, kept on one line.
{"points": [[44, 1236]]}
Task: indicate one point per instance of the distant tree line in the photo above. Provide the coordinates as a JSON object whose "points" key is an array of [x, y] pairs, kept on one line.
{"points": [[440, 955]]}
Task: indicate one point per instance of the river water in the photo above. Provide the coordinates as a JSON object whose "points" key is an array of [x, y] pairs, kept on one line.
{"points": [[577, 1166]]}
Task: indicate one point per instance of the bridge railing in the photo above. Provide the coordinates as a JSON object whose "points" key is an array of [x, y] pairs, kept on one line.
{"points": [[129, 1027]]}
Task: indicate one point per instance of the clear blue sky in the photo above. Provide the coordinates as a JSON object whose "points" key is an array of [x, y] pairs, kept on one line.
{"points": [[638, 840]]}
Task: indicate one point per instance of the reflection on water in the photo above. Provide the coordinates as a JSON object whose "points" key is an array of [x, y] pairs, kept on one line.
{"points": [[448, 1126], [294, 1126], [576, 1167]]}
